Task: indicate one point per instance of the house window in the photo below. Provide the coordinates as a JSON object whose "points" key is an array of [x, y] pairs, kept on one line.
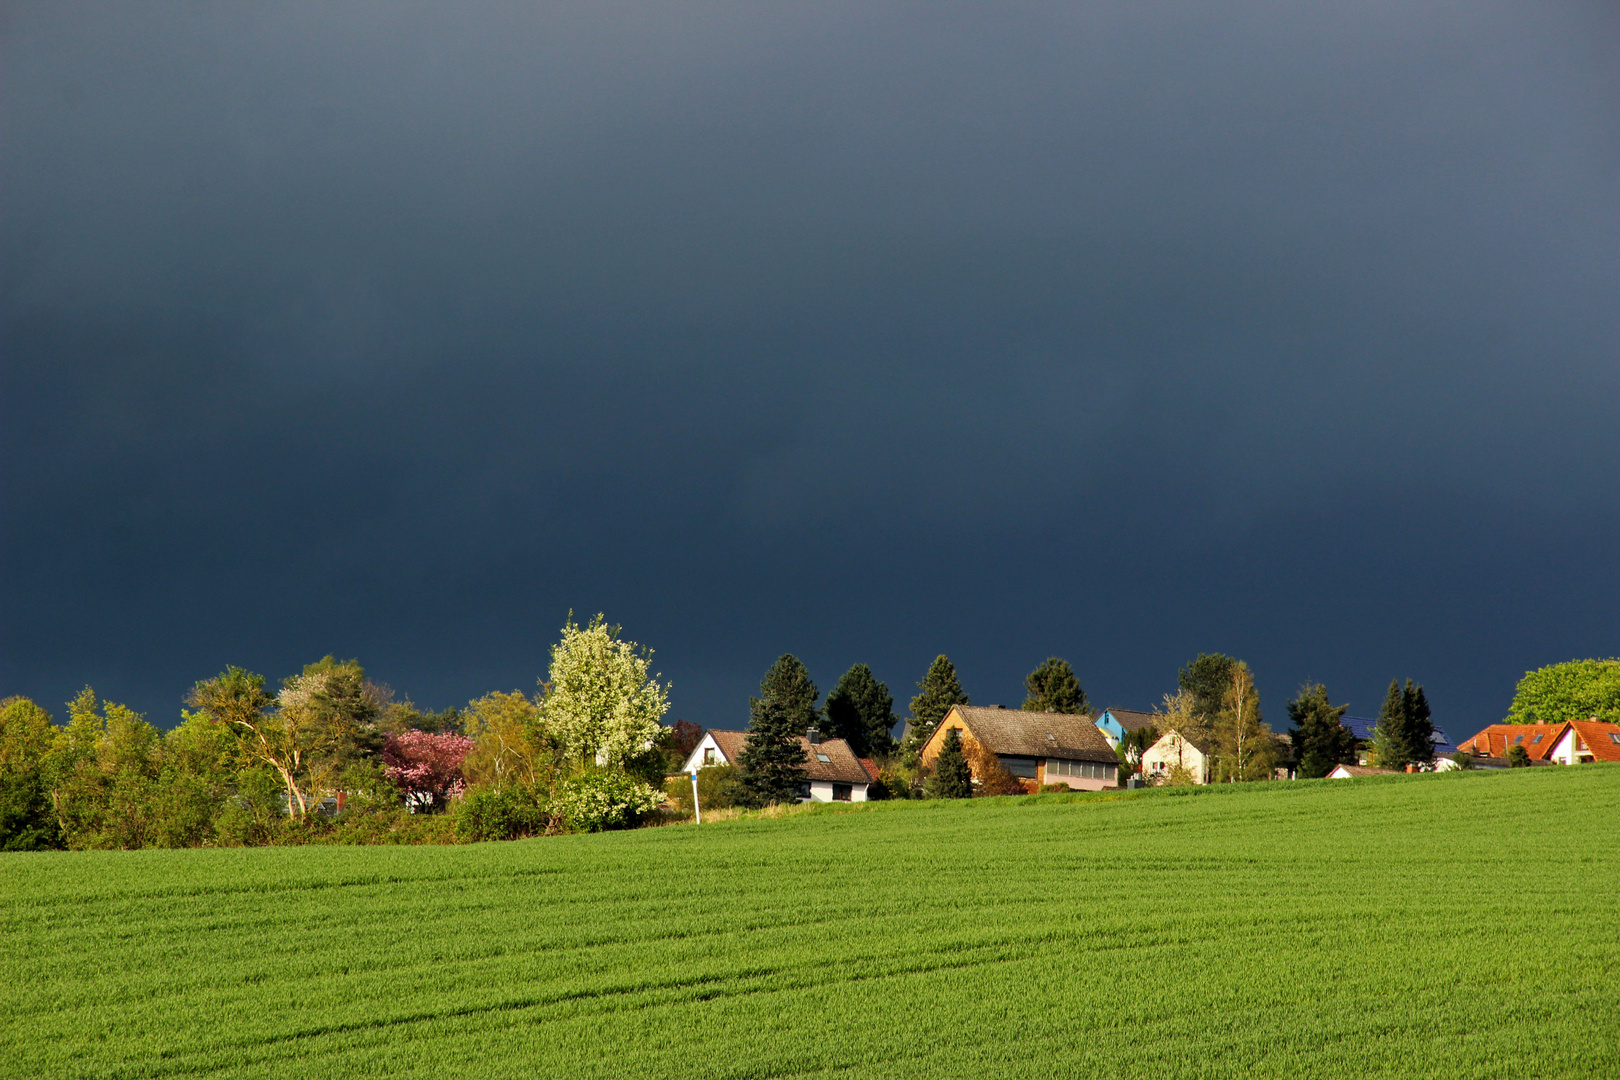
{"points": [[843, 792], [1614, 736], [1535, 740], [1018, 766], [708, 755], [1518, 740], [802, 791]]}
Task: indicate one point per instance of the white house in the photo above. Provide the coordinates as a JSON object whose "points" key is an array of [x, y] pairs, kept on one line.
{"points": [[835, 773], [1190, 752], [1346, 772], [1586, 740]]}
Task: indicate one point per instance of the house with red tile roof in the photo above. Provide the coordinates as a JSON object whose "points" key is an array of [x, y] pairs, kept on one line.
{"points": [[1495, 741], [1586, 740]]}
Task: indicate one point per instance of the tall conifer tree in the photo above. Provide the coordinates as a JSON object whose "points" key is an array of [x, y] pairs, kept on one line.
{"points": [[937, 692], [1405, 734], [953, 777], [1321, 741], [773, 762], [1053, 687], [860, 710]]}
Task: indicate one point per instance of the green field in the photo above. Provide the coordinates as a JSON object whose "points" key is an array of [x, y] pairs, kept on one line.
{"points": [[1459, 925]]}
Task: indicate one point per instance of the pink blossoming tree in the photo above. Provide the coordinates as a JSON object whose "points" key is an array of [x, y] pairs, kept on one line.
{"points": [[427, 767]]}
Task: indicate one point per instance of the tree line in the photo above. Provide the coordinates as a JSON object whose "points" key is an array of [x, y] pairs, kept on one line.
{"points": [[331, 756]]}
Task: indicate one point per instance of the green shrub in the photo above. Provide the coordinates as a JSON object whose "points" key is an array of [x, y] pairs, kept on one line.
{"points": [[719, 788], [1517, 757], [507, 812], [604, 799], [27, 822]]}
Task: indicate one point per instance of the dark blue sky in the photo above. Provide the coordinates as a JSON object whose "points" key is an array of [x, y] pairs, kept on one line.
{"points": [[1117, 332]]}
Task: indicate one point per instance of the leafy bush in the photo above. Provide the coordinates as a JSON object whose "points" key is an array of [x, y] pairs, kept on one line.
{"points": [[604, 799], [1517, 757], [26, 820], [507, 812], [720, 787]]}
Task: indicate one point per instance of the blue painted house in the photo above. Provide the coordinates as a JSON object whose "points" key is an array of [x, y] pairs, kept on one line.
{"points": [[1116, 723]]}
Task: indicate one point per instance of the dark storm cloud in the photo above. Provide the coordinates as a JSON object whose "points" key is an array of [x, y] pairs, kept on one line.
{"points": [[1120, 332]]}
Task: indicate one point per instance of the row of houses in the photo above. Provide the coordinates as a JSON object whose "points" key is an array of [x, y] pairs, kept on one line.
{"points": [[1081, 752]]}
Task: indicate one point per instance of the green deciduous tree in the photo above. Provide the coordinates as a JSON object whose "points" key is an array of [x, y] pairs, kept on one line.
{"points": [[510, 743], [860, 710], [1320, 739], [27, 822], [1244, 749], [102, 770], [938, 691], [1053, 687], [1404, 734], [603, 706], [1576, 690], [953, 778], [1207, 679]]}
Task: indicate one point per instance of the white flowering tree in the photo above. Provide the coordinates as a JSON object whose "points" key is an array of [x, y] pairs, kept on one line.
{"points": [[603, 706]]}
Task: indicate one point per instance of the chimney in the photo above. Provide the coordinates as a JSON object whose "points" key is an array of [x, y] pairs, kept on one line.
{"points": [[814, 735]]}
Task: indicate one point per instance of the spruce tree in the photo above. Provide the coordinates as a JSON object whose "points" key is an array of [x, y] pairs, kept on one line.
{"points": [[860, 710], [1405, 733], [1320, 740], [953, 779], [937, 692], [1418, 723], [788, 685], [1389, 734], [773, 762], [1053, 687]]}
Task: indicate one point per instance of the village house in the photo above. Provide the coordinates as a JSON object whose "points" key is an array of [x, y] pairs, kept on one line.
{"points": [[834, 773], [1037, 747], [1586, 740], [1345, 772], [1495, 741], [1115, 724], [1190, 752]]}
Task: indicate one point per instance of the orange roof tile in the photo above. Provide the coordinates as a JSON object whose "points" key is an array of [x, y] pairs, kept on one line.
{"points": [[1538, 740], [1601, 739]]}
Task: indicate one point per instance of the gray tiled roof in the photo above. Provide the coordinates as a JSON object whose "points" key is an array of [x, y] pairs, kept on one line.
{"points": [[1037, 734], [1133, 719]]}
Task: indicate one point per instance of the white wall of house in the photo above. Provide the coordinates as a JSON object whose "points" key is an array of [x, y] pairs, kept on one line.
{"points": [[705, 753], [1170, 751], [1568, 750], [822, 791]]}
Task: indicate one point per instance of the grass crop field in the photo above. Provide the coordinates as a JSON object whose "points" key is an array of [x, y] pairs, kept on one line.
{"points": [[1459, 925]]}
